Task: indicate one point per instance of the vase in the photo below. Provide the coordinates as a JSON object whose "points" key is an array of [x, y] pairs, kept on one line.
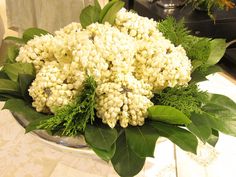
{"points": [[71, 142], [169, 4]]}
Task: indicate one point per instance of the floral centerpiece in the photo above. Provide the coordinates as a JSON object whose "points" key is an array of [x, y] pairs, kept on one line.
{"points": [[119, 80], [211, 5]]}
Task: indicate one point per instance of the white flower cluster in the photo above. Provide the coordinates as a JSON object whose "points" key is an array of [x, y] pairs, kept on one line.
{"points": [[129, 61], [37, 51], [50, 89], [126, 100], [157, 61]]}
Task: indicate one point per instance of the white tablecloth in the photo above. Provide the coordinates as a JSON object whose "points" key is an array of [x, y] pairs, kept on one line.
{"points": [[25, 155]]}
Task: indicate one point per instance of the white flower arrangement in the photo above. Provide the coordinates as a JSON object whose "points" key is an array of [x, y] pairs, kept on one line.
{"points": [[121, 81]]}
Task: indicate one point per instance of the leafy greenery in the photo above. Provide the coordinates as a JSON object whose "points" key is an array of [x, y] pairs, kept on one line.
{"points": [[187, 99], [94, 13], [8, 86], [210, 5], [13, 70], [112, 11], [217, 51], [22, 108], [100, 136], [105, 155], [221, 114], [105, 9], [125, 161], [213, 139], [203, 52], [28, 34], [72, 119], [12, 53], [142, 140], [89, 15], [15, 79], [200, 126], [167, 114], [25, 81], [181, 137]]}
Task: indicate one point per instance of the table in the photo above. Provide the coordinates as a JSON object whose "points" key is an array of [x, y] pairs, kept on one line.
{"points": [[26, 155]]}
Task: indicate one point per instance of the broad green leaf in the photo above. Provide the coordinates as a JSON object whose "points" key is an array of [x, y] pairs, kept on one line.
{"points": [[15, 39], [223, 101], [200, 127], [105, 9], [224, 121], [217, 51], [167, 114], [125, 161], [196, 64], [221, 114], [100, 136], [3, 75], [181, 137], [34, 123], [111, 13], [5, 97], [32, 32], [105, 155], [22, 108], [9, 87], [199, 76], [97, 5], [25, 81], [142, 140], [12, 53], [13, 70], [89, 15], [213, 139]]}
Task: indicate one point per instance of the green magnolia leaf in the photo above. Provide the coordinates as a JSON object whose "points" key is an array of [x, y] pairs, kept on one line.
{"points": [[142, 140], [181, 137], [196, 64], [200, 127], [13, 70], [167, 114], [15, 39], [25, 81], [89, 15], [23, 108], [3, 75], [105, 9], [12, 53], [32, 32], [5, 97], [223, 101], [199, 76], [110, 16], [221, 114], [217, 51], [34, 123], [9, 87], [125, 161], [105, 155], [225, 122], [213, 139], [97, 5], [100, 136]]}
